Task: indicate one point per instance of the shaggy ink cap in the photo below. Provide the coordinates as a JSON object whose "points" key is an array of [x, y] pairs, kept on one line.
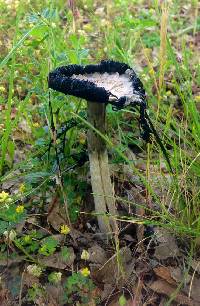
{"points": [[108, 82]]}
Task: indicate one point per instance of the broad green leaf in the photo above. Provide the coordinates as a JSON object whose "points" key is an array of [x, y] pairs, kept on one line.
{"points": [[40, 31]]}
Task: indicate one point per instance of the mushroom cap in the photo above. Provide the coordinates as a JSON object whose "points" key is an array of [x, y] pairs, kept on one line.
{"points": [[107, 82]]}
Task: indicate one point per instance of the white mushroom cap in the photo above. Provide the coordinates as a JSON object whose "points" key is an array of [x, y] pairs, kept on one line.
{"points": [[118, 85]]}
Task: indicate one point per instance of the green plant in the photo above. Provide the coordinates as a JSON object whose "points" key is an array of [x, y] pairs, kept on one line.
{"points": [[31, 241], [54, 277], [122, 300], [10, 214], [48, 246], [35, 292], [78, 287]]}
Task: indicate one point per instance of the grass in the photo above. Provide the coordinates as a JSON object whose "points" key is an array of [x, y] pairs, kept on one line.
{"points": [[159, 46], [184, 140]]}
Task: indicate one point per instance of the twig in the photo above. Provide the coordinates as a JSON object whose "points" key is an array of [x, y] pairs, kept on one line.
{"points": [[21, 287]]}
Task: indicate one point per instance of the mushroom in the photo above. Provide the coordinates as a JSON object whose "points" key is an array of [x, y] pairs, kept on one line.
{"points": [[108, 82]]}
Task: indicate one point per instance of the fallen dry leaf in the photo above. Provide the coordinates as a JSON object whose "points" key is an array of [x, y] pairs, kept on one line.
{"points": [[178, 275], [57, 261], [116, 272], [97, 255], [165, 274], [166, 250], [162, 287], [54, 293], [172, 275], [115, 268], [107, 291], [55, 216], [167, 244]]}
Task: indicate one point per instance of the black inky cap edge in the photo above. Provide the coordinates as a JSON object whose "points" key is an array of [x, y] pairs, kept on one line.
{"points": [[60, 80]]}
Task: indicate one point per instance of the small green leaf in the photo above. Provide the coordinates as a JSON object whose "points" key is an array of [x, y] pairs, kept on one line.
{"points": [[11, 150], [40, 31], [122, 300], [3, 226], [65, 253], [48, 246]]}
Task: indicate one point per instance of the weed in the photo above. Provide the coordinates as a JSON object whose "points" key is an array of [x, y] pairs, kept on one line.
{"points": [[78, 287]]}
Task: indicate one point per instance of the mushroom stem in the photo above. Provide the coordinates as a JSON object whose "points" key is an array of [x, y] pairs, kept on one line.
{"points": [[99, 170]]}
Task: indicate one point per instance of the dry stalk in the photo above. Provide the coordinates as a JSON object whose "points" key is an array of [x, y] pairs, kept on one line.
{"points": [[100, 177]]}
